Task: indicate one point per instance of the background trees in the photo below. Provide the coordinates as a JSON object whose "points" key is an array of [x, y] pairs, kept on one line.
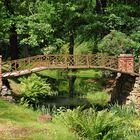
{"points": [[33, 26]]}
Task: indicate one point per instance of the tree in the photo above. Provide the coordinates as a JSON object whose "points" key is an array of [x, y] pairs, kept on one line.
{"points": [[117, 43], [100, 6], [26, 24]]}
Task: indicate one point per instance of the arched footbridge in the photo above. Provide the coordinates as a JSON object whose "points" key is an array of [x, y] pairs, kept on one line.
{"points": [[123, 64]]}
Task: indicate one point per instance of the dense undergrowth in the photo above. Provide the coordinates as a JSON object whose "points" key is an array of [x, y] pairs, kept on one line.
{"points": [[116, 123]]}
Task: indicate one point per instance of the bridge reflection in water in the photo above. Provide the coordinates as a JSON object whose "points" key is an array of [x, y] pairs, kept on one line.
{"points": [[123, 63]]}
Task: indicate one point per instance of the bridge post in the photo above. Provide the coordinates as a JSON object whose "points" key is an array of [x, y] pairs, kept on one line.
{"points": [[0, 72], [125, 63]]}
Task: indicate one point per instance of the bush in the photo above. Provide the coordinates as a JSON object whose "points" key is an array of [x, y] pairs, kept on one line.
{"points": [[34, 87]]}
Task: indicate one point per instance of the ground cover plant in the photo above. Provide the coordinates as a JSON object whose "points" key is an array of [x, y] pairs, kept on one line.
{"points": [[90, 124]]}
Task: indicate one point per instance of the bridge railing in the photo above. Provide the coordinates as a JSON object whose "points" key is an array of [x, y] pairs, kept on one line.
{"points": [[122, 63], [61, 61]]}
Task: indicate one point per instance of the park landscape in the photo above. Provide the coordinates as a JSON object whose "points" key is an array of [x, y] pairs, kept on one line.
{"points": [[69, 70]]}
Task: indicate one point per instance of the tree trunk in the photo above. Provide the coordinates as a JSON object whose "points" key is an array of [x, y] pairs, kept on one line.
{"points": [[71, 85], [71, 78], [71, 45], [13, 43], [13, 33], [100, 6]]}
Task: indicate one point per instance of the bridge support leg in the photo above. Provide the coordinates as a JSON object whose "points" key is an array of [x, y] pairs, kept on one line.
{"points": [[123, 88], [135, 93], [125, 63], [0, 72]]}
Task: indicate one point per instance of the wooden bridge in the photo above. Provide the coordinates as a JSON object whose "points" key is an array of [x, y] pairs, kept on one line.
{"points": [[123, 64]]}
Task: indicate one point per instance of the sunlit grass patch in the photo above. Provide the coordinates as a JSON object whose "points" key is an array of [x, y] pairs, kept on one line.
{"points": [[86, 74], [56, 74], [98, 98]]}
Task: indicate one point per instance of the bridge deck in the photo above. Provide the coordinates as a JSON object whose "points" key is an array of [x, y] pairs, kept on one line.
{"points": [[27, 71], [43, 62]]}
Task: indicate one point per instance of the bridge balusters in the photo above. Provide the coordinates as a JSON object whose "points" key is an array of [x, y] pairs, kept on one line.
{"points": [[65, 60], [87, 59], [103, 60], [92, 60], [29, 64], [76, 60]]}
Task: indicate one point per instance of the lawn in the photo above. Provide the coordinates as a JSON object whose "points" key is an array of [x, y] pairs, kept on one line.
{"points": [[20, 123]]}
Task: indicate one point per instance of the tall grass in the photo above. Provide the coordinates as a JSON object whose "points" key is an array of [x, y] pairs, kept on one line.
{"points": [[125, 111]]}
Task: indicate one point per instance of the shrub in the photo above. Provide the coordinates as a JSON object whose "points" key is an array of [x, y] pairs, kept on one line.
{"points": [[34, 87]]}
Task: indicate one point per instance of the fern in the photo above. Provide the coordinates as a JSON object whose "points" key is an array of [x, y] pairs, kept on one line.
{"points": [[93, 125], [34, 87]]}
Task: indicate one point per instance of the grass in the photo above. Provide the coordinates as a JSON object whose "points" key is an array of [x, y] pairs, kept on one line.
{"points": [[86, 74], [18, 122], [56, 74], [98, 98]]}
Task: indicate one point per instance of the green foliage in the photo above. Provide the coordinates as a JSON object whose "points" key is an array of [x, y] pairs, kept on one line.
{"points": [[101, 125], [130, 115], [84, 48], [34, 87], [43, 26], [115, 22], [117, 43], [136, 35], [86, 74], [92, 125], [38, 25]]}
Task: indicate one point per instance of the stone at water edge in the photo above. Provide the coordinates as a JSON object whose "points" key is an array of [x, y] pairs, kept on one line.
{"points": [[44, 118]]}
